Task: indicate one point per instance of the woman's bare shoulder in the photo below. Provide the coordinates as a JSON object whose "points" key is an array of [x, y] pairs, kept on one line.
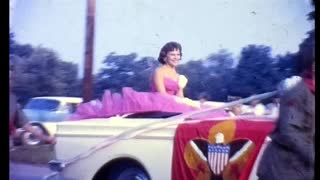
{"points": [[159, 71]]}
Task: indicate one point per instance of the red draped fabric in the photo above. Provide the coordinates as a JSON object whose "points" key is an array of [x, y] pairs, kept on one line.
{"points": [[190, 154]]}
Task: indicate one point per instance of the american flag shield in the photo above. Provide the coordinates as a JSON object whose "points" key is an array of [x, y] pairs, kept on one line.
{"points": [[218, 157]]}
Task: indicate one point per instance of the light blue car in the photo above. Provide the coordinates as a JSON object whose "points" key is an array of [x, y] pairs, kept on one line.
{"points": [[51, 108]]}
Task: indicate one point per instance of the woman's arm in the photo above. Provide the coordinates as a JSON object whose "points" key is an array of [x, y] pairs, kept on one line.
{"points": [[158, 80], [180, 92]]}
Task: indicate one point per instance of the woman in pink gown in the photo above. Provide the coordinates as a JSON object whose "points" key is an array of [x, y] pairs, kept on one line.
{"points": [[166, 92]]}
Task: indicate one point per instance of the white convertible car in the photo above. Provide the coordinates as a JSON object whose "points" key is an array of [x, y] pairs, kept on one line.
{"points": [[160, 146]]}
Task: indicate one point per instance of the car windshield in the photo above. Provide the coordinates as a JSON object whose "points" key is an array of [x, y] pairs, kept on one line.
{"points": [[42, 104]]}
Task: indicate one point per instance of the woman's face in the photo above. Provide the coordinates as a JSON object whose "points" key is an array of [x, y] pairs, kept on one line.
{"points": [[173, 57]]}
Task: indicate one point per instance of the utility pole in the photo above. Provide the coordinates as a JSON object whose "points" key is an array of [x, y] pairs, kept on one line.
{"points": [[89, 43]]}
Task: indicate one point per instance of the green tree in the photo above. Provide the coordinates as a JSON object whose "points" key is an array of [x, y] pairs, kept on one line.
{"points": [[210, 76], [44, 74], [21, 50], [197, 75], [254, 73], [124, 71]]}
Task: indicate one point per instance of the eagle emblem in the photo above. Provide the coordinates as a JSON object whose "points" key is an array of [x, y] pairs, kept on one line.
{"points": [[219, 157]]}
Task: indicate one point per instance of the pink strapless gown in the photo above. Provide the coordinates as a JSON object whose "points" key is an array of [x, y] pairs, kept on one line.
{"points": [[131, 101], [170, 85]]}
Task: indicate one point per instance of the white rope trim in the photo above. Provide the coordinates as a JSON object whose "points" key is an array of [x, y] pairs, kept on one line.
{"points": [[238, 154], [198, 151]]}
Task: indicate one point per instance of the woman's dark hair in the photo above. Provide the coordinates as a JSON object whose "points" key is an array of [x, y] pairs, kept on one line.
{"points": [[170, 46]]}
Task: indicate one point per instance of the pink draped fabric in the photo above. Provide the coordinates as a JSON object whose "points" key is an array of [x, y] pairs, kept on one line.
{"points": [[131, 101]]}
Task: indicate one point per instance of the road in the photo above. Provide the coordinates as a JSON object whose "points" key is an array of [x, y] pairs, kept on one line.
{"points": [[30, 162], [22, 171]]}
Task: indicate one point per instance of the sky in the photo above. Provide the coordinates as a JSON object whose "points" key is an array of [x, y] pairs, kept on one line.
{"points": [[202, 27]]}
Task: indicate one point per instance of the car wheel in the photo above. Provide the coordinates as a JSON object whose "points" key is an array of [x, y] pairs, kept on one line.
{"points": [[28, 139], [128, 173], [40, 128]]}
